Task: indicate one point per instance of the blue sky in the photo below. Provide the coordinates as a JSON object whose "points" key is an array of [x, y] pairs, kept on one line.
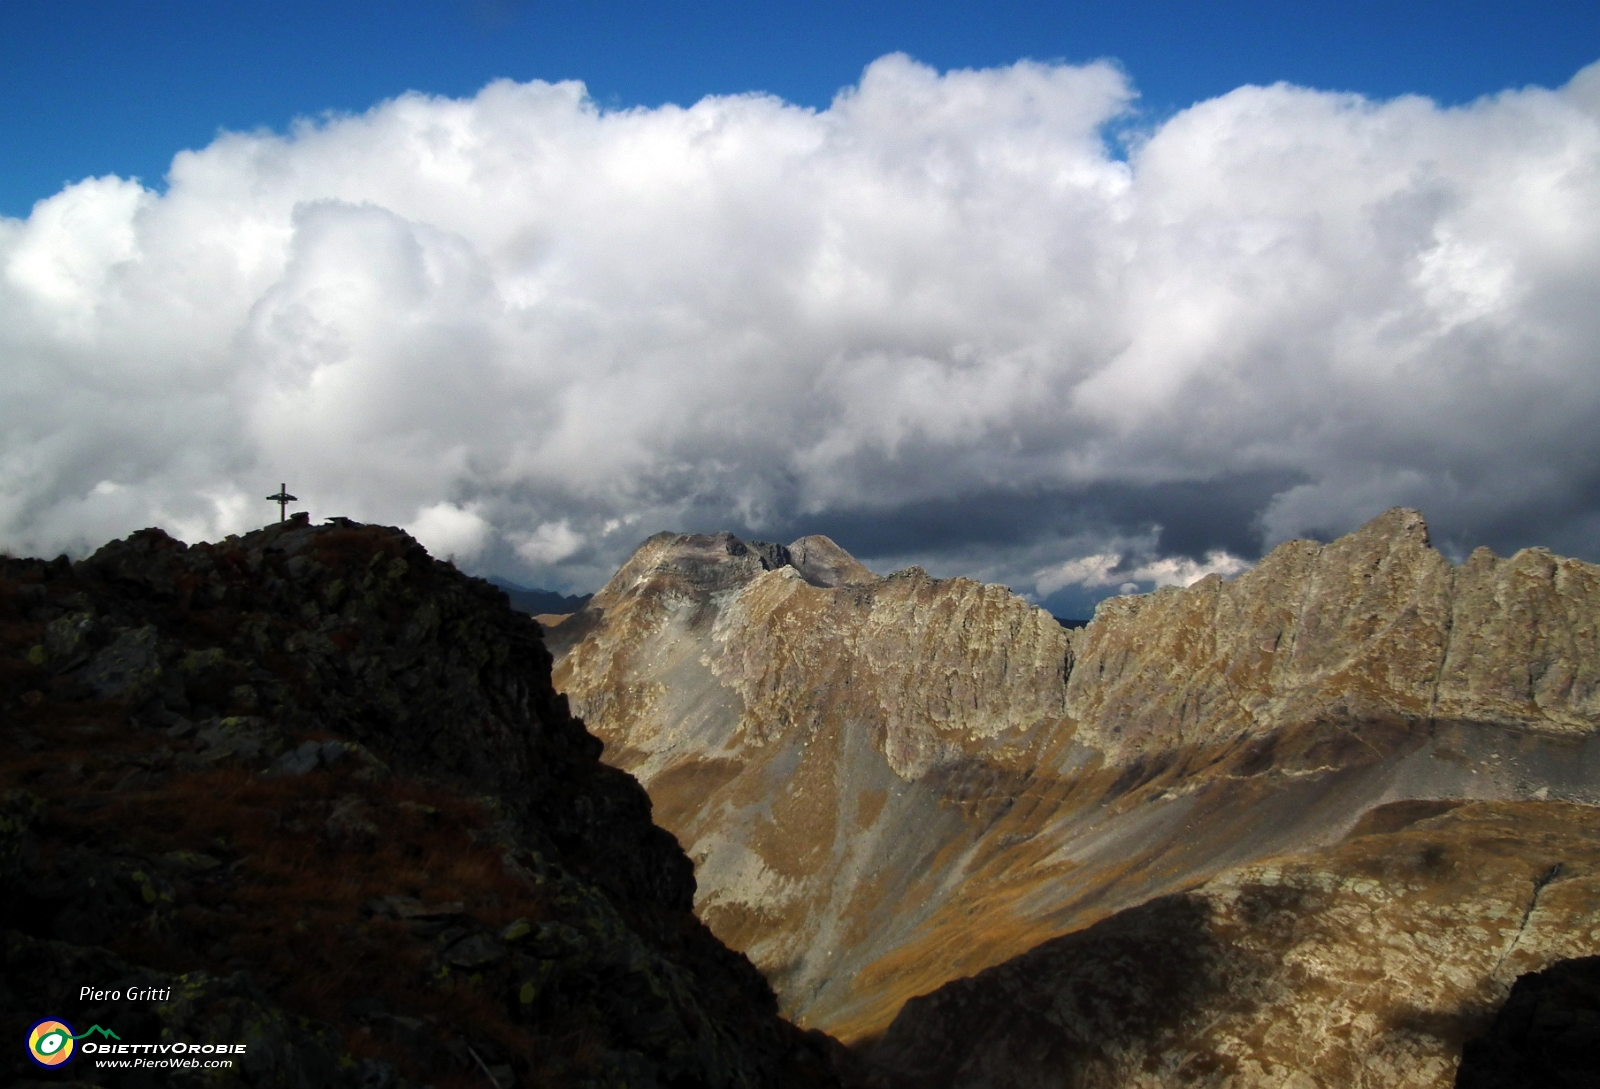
{"points": [[1082, 300], [91, 87]]}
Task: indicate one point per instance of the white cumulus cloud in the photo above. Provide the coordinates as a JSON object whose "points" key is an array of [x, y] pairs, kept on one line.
{"points": [[447, 530], [536, 330], [1105, 569], [550, 543], [1087, 571]]}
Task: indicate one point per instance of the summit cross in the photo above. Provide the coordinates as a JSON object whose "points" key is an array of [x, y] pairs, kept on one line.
{"points": [[283, 499]]}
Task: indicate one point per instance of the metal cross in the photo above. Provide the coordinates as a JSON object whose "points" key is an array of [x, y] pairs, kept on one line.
{"points": [[283, 499]]}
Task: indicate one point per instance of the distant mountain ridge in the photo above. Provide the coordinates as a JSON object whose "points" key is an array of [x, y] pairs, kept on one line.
{"points": [[537, 602], [890, 783]]}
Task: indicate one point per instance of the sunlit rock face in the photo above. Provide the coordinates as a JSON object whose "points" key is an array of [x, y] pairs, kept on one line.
{"points": [[809, 732], [1376, 626], [889, 783]]}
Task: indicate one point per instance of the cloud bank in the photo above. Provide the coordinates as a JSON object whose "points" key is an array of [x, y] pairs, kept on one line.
{"points": [[942, 318]]}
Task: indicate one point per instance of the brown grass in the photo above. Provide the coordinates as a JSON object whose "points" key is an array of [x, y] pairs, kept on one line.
{"points": [[299, 922], [290, 908], [287, 904], [343, 548]]}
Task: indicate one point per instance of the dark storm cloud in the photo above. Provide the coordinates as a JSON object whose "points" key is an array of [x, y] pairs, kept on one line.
{"points": [[1193, 518]]}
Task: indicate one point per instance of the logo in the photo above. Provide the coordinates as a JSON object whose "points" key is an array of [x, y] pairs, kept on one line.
{"points": [[51, 1042]]}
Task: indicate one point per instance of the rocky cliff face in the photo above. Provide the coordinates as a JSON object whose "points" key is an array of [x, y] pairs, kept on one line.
{"points": [[1376, 627], [801, 728], [317, 787], [887, 784]]}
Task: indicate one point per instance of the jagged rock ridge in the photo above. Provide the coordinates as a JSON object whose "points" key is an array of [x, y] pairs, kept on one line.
{"points": [[319, 786], [891, 783], [1374, 626]]}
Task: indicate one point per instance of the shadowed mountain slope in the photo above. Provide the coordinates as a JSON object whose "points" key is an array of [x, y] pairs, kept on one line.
{"points": [[536, 602], [1364, 965], [319, 787], [888, 783], [1546, 1036]]}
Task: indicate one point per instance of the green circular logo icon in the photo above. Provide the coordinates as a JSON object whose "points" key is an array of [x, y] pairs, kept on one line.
{"points": [[50, 1042]]}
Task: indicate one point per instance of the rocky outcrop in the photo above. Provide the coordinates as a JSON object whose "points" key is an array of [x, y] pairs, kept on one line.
{"points": [[889, 783], [801, 725], [318, 788], [1365, 964], [1375, 627], [1546, 1036], [701, 645]]}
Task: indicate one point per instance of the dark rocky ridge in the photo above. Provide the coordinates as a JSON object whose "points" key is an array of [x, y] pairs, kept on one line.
{"points": [[320, 785], [1546, 1036]]}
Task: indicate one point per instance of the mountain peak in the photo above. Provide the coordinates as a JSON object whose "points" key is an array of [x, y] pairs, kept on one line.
{"points": [[713, 562], [890, 782], [1396, 523], [824, 563]]}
